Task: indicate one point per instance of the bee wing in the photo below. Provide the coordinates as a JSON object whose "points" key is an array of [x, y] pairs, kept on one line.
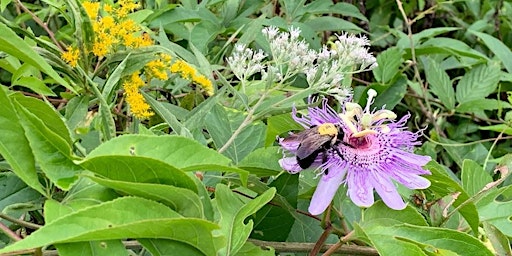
{"points": [[311, 144]]}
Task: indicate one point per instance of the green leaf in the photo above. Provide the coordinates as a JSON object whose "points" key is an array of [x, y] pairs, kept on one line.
{"points": [[138, 169], [274, 223], [165, 247], [330, 23], [34, 84], [11, 44], [457, 47], [52, 152], [221, 123], [249, 249], [478, 83], [87, 196], [381, 212], [126, 217], [405, 239], [477, 152], [443, 185], [481, 104], [279, 124], [498, 128], [14, 146], [181, 200], [440, 83], [389, 62], [113, 80], [474, 177], [404, 41], [390, 96], [233, 212], [175, 150], [168, 117], [496, 46], [269, 167], [499, 241], [14, 191], [50, 117], [93, 248], [76, 112], [496, 210]]}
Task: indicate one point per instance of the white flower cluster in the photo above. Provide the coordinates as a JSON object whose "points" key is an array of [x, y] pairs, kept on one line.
{"points": [[324, 69], [244, 62]]}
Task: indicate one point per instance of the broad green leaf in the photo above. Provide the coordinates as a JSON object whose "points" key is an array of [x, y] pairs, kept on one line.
{"points": [[476, 152], [330, 23], [323, 7], [379, 211], [168, 117], [273, 223], [181, 200], [279, 124], [474, 177], [269, 167], [126, 217], [390, 96], [249, 249], [175, 150], [405, 239], [76, 112], [50, 117], [233, 212], [498, 128], [113, 80], [497, 211], [54, 210], [496, 46], [389, 62], [166, 247], [478, 83], [14, 191], [83, 194], [481, 104], [404, 41], [440, 83], [222, 123], [93, 248], [11, 44], [52, 152], [456, 46], [14, 146], [499, 241], [138, 169], [34, 84], [443, 185]]}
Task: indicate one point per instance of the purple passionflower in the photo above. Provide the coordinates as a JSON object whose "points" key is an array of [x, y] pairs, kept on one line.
{"points": [[377, 150]]}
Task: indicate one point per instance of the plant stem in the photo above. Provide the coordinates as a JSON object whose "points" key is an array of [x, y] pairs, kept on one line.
{"points": [[20, 222], [40, 23], [248, 120]]}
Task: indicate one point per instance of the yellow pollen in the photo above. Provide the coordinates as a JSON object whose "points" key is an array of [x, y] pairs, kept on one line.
{"points": [[327, 129]]}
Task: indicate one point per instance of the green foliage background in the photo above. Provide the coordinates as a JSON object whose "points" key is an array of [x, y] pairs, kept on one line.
{"points": [[201, 177]]}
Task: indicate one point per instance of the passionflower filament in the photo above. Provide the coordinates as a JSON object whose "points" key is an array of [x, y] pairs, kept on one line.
{"points": [[376, 150]]}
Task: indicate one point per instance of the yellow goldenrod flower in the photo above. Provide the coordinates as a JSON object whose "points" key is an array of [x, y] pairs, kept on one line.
{"points": [[157, 68], [205, 83], [183, 68], [138, 105], [91, 8], [71, 56], [108, 8]]}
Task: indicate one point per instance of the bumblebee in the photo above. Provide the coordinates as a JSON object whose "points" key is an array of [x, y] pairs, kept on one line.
{"points": [[316, 140]]}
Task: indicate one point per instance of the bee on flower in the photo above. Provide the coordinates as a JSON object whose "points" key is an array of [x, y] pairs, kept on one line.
{"points": [[375, 150]]}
